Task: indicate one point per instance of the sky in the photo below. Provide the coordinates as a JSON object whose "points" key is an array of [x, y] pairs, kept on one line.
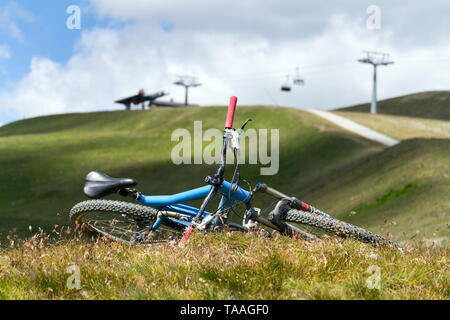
{"points": [[243, 48]]}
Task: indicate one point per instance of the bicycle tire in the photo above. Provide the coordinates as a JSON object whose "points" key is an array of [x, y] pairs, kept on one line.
{"points": [[336, 227], [136, 213]]}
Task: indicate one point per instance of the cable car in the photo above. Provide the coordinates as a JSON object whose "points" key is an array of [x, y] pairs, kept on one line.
{"points": [[286, 87], [298, 81]]}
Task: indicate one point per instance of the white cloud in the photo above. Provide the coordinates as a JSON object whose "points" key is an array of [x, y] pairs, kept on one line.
{"points": [[5, 52], [111, 63], [16, 32], [10, 13], [419, 22]]}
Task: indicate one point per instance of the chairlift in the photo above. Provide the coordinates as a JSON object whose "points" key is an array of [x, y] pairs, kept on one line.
{"points": [[298, 81], [286, 86]]}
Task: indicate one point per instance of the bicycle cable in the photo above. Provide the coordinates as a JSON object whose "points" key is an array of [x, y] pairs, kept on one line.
{"points": [[236, 173]]}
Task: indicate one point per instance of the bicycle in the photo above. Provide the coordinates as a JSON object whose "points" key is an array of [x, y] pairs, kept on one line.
{"points": [[168, 218]]}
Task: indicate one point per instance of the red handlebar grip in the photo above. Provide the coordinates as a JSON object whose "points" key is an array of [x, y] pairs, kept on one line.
{"points": [[230, 115]]}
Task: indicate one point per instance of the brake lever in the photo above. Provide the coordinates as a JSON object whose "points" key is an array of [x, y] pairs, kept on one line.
{"points": [[245, 124]]}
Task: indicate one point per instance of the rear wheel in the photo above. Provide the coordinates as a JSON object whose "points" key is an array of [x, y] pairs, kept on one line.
{"points": [[322, 224], [123, 221]]}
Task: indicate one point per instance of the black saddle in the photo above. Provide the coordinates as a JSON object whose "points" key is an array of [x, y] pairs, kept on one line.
{"points": [[99, 185]]}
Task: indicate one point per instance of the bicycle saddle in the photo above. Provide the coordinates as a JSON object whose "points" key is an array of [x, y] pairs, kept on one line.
{"points": [[99, 185]]}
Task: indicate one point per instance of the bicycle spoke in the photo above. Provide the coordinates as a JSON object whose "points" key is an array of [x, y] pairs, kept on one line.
{"points": [[121, 227]]}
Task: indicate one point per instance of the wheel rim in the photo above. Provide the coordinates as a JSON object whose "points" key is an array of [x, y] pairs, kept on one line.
{"points": [[127, 229]]}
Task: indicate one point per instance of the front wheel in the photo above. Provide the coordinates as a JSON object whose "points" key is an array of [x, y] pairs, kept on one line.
{"points": [[335, 227], [123, 221]]}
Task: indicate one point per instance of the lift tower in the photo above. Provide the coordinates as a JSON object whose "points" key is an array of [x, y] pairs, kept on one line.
{"points": [[375, 59], [187, 82]]}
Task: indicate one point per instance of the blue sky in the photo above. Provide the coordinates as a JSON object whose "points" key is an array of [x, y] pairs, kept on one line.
{"points": [[44, 32], [43, 26], [232, 47]]}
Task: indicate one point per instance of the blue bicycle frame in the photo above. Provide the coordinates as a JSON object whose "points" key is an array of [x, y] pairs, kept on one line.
{"points": [[176, 203]]}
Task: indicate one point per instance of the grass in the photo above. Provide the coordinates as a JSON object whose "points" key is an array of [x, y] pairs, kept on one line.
{"points": [[388, 197], [428, 105], [223, 266]]}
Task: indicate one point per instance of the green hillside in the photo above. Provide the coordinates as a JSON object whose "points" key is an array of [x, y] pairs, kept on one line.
{"points": [[402, 190], [46, 159], [430, 105], [397, 190]]}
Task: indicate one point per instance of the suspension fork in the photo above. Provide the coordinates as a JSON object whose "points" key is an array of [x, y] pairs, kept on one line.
{"points": [[276, 217]]}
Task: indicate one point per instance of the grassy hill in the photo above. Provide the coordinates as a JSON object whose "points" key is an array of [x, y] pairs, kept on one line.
{"points": [[402, 190], [46, 159], [430, 105], [394, 191]]}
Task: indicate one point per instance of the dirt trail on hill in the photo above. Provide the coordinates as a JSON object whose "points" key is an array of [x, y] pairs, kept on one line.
{"points": [[356, 128]]}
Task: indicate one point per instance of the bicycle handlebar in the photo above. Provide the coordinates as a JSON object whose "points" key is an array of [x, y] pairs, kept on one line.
{"points": [[230, 115]]}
